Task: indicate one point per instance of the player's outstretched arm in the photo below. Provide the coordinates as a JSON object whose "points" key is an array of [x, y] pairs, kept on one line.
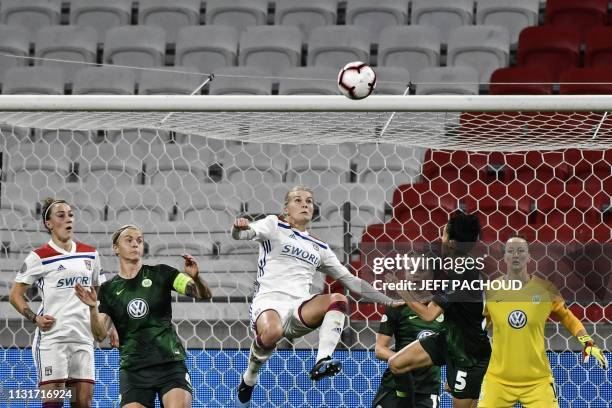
{"points": [[100, 322], [196, 287], [19, 302], [242, 230]]}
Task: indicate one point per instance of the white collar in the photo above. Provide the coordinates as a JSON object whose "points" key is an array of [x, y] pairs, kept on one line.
{"points": [[62, 250]]}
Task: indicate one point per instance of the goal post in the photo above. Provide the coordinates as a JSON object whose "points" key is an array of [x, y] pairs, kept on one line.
{"points": [[386, 171]]}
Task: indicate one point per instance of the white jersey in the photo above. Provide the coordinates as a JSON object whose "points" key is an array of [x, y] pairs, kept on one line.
{"points": [[56, 272], [288, 258]]}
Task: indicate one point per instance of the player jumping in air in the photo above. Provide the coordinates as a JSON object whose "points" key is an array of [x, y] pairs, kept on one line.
{"points": [[519, 370], [419, 388], [138, 301], [282, 304], [63, 345], [462, 345]]}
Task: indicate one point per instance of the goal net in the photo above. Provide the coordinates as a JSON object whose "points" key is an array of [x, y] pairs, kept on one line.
{"points": [[387, 172]]}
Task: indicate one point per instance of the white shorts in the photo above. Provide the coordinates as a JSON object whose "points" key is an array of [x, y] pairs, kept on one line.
{"points": [[63, 362], [287, 307]]}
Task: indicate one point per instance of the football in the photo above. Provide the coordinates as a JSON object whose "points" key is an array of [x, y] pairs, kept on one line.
{"points": [[356, 80]]}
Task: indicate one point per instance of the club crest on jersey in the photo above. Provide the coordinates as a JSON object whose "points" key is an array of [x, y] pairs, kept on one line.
{"points": [[517, 319], [316, 247], [424, 333], [87, 264], [536, 299], [138, 308], [146, 283], [384, 318], [48, 370]]}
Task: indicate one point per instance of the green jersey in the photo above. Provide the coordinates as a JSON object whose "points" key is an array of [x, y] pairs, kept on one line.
{"points": [[406, 326], [141, 309], [466, 339]]}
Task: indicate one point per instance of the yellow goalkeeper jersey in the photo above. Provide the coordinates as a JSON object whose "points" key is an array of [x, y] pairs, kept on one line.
{"points": [[518, 345]]}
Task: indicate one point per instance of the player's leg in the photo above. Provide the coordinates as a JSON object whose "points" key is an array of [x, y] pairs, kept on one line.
{"points": [[466, 382], [174, 384], [327, 312], [385, 398], [268, 331], [541, 395], [136, 390], [52, 365], [426, 401], [81, 375]]}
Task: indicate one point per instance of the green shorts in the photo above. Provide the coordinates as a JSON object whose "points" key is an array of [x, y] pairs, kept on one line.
{"points": [[463, 380], [143, 385]]}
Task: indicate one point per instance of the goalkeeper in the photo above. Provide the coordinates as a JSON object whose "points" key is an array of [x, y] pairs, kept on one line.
{"points": [[139, 302], [519, 370]]}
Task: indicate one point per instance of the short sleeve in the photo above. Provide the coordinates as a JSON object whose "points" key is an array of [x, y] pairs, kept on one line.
{"points": [[388, 322], [31, 270], [264, 228]]}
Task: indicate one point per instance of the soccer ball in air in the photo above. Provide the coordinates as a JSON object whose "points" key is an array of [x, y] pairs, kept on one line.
{"points": [[356, 80]]}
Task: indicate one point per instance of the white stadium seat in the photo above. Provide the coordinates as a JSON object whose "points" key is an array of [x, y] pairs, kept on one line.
{"points": [[172, 81], [444, 14], [485, 48], [136, 46], [207, 48], [458, 80], [33, 80], [101, 15], [274, 48], [31, 14], [320, 80], [335, 46], [169, 15], [104, 80], [14, 40], [411, 47], [239, 14], [306, 15], [376, 15], [391, 80], [241, 81], [512, 14]]}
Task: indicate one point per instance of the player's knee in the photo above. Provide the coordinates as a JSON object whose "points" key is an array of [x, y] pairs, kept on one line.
{"points": [[269, 337], [338, 302]]}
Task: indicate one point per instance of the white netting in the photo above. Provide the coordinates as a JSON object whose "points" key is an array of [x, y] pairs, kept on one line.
{"points": [[186, 180]]}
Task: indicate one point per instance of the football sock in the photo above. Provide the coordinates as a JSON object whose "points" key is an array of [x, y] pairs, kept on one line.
{"points": [[331, 329], [257, 357]]}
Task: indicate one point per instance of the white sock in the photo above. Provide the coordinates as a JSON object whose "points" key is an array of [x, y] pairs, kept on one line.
{"points": [[330, 332], [257, 357]]}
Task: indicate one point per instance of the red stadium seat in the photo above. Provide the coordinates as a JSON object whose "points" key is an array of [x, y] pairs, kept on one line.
{"points": [[586, 81], [584, 163], [543, 166], [529, 81], [580, 14], [453, 166], [599, 47], [550, 47]]}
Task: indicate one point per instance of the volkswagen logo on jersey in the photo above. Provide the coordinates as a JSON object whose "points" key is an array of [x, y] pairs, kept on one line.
{"points": [[138, 308], [424, 333], [517, 319]]}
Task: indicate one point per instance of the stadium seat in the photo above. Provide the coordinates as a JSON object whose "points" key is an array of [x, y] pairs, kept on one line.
{"points": [[306, 15], [31, 14], [211, 208], [273, 48], [485, 48], [111, 164], [515, 15], [69, 43], [447, 81], [550, 47], [375, 16], [335, 46], [391, 80], [529, 81], [239, 14], [170, 248], [38, 164], [312, 165], [582, 15], [140, 205], [136, 46], [207, 48], [176, 165], [241, 81], [585, 163], [435, 194], [171, 16], [387, 165], [536, 165], [454, 165], [173, 81], [309, 81], [446, 15], [102, 16], [33, 80], [575, 81], [14, 40], [367, 204], [411, 47], [599, 47], [258, 200], [104, 80], [252, 164]]}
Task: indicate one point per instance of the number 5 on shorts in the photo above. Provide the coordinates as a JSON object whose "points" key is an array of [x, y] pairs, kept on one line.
{"points": [[460, 380]]}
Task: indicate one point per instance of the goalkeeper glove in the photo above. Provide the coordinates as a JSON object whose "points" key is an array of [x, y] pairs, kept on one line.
{"points": [[590, 349]]}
